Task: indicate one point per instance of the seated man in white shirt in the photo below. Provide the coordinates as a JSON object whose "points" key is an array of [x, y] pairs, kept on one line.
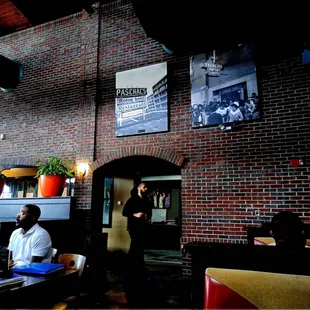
{"points": [[29, 243], [288, 231]]}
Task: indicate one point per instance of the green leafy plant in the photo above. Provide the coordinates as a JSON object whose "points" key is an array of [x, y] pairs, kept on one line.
{"points": [[54, 166], [2, 176]]}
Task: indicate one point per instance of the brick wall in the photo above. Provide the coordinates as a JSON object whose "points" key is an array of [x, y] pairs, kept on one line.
{"points": [[59, 108], [227, 175], [52, 110]]}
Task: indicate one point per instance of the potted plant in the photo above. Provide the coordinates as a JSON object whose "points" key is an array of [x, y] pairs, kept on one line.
{"points": [[52, 174], [2, 181]]}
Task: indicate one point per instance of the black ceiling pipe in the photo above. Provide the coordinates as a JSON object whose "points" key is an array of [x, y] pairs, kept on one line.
{"points": [[11, 74]]}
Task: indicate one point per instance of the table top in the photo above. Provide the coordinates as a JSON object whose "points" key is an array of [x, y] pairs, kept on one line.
{"points": [[31, 280], [38, 291]]}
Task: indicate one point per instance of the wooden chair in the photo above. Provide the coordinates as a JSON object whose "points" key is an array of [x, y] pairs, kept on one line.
{"points": [[72, 262]]}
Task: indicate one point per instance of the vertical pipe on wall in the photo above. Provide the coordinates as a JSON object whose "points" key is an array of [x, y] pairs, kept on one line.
{"points": [[98, 92]]}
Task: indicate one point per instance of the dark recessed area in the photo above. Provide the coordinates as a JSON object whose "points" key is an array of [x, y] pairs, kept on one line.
{"points": [[135, 166]]}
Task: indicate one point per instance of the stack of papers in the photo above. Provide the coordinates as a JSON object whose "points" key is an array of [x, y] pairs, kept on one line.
{"points": [[43, 269], [4, 260], [14, 281]]}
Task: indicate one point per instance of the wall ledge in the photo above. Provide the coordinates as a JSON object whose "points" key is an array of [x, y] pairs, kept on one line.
{"points": [[52, 208]]}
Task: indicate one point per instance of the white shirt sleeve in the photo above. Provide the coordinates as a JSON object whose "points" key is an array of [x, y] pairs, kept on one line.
{"points": [[41, 245]]}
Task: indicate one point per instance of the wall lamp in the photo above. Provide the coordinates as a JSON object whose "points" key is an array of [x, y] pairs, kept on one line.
{"points": [[228, 127], [82, 170]]}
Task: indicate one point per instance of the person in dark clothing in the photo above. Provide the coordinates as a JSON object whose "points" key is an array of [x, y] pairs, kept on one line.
{"points": [[138, 210], [288, 230]]}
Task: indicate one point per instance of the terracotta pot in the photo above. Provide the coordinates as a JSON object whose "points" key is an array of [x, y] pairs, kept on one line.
{"points": [[2, 182], [52, 185]]}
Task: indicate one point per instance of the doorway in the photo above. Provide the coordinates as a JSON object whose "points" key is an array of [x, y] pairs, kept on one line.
{"points": [[160, 176]]}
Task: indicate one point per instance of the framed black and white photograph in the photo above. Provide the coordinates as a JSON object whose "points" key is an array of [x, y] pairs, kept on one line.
{"points": [[141, 103], [160, 198], [224, 87]]}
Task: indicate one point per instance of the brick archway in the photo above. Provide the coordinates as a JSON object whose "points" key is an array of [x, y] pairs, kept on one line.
{"points": [[122, 152]]}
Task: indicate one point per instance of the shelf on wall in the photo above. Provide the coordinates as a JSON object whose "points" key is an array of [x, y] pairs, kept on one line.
{"points": [[52, 208]]}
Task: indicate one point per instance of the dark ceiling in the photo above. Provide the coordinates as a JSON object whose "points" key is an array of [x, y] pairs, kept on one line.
{"points": [[199, 26], [182, 27]]}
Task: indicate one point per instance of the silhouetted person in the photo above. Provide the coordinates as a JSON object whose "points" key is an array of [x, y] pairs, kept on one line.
{"points": [[288, 230], [138, 211]]}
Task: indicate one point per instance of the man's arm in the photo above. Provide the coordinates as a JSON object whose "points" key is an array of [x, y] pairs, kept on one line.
{"points": [[36, 259], [11, 261], [41, 248], [127, 210]]}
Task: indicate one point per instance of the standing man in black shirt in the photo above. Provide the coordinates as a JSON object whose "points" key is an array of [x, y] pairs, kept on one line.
{"points": [[138, 210]]}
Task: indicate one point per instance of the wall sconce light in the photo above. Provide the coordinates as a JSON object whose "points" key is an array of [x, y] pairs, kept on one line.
{"points": [[229, 127], [82, 170]]}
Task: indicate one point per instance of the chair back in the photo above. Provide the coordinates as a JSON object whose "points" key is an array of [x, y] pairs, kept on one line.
{"points": [[54, 253], [73, 262], [247, 289], [269, 240], [263, 240]]}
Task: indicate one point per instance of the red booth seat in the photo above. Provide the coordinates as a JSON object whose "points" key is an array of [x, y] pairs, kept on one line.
{"points": [[263, 240], [245, 289], [219, 296]]}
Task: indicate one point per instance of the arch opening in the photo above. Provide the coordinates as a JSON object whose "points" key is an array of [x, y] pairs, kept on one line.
{"points": [[162, 177]]}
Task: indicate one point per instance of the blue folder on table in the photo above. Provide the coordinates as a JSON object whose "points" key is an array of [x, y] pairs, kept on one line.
{"points": [[42, 269]]}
